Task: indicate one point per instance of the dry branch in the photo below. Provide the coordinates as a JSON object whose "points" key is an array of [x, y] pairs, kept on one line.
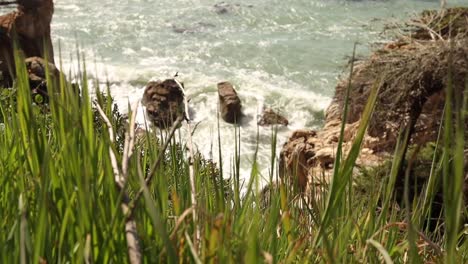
{"points": [[120, 178], [180, 220], [193, 190], [158, 161]]}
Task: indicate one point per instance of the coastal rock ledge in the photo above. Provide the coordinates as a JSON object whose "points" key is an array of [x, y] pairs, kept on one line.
{"points": [[412, 73]]}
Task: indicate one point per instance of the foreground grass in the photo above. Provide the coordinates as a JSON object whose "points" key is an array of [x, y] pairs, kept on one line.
{"points": [[59, 202]]}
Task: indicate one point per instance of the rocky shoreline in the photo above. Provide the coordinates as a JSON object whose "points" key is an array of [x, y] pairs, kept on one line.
{"points": [[82, 182], [412, 73]]}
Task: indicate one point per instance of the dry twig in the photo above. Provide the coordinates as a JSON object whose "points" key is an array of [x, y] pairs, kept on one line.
{"points": [[180, 220], [403, 225], [191, 169], [431, 32], [158, 161], [120, 178]]}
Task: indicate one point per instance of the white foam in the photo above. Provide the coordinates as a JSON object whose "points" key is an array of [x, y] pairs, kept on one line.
{"points": [[285, 55], [255, 88]]}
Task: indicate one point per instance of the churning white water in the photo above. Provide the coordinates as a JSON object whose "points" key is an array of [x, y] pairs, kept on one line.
{"points": [[286, 55]]}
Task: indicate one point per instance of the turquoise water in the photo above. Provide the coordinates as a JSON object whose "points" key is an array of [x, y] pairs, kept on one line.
{"points": [[284, 54]]}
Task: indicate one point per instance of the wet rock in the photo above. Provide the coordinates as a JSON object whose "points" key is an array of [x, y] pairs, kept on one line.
{"points": [[223, 8], [194, 28], [164, 102], [230, 104], [270, 117]]}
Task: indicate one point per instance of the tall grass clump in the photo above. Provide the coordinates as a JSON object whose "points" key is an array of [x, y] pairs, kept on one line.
{"points": [[78, 186]]}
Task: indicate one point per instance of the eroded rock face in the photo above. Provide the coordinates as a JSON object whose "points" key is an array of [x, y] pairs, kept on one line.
{"points": [[295, 158], [230, 104], [411, 95], [270, 117], [412, 77], [164, 102]]}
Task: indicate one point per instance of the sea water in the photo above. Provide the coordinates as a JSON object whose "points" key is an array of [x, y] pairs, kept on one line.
{"points": [[283, 54]]}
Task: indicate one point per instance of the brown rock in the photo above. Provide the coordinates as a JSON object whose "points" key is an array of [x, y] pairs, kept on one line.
{"points": [[294, 166], [164, 102], [159, 90], [296, 157], [31, 24], [325, 157], [230, 104], [297, 141], [332, 139], [312, 162], [312, 141], [411, 78], [304, 133], [309, 151], [269, 117], [37, 70]]}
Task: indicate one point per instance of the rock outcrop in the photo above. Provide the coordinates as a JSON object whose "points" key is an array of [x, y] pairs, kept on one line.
{"points": [[30, 24], [37, 70], [270, 117], [412, 74], [229, 102], [164, 102]]}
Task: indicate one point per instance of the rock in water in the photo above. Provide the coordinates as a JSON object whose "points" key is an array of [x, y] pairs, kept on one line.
{"points": [[230, 104], [164, 102], [270, 117], [222, 8]]}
